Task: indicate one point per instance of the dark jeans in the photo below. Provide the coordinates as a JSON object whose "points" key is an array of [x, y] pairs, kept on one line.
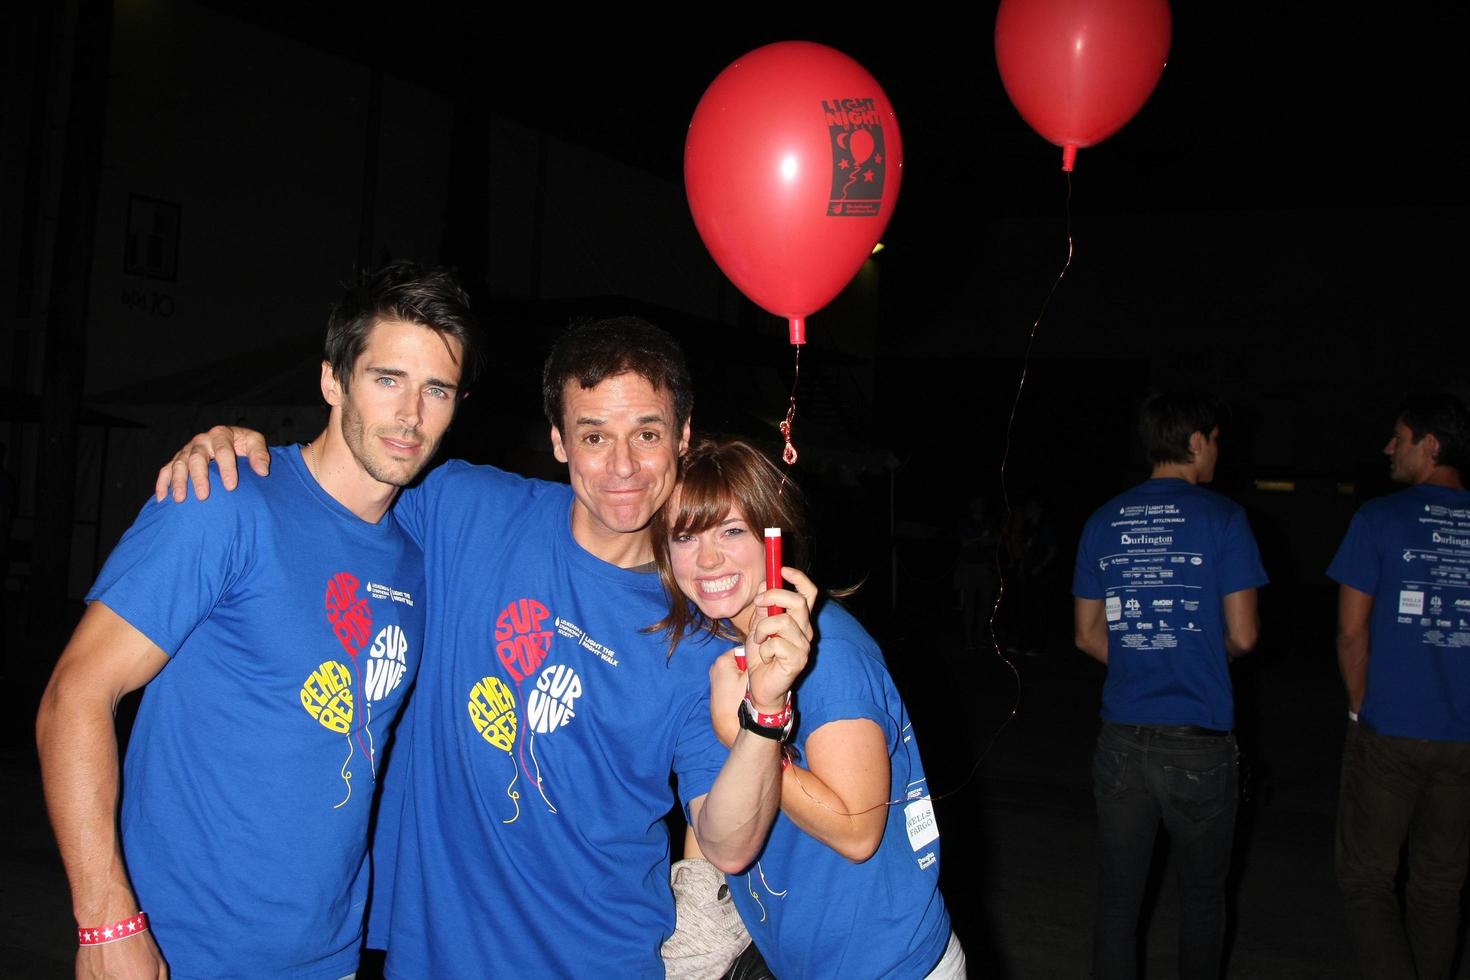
{"points": [[1140, 776], [1397, 789]]}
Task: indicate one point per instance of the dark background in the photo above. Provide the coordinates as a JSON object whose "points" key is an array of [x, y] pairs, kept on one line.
{"points": [[1280, 225]]}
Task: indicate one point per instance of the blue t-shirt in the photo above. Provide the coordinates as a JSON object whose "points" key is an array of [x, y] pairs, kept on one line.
{"points": [[812, 912], [528, 833], [1162, 556], [293, 630], [1410, 551]]}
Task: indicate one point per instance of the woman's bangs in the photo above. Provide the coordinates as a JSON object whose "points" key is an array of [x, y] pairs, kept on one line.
{"points": [[704, 500]]}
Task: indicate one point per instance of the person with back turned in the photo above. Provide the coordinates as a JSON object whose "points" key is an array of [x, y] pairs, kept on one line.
{"points": [[1165, 596]]}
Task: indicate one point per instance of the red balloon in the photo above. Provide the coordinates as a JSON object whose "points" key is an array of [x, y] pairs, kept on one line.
{"points": [[792, 169], [1077, 70]]}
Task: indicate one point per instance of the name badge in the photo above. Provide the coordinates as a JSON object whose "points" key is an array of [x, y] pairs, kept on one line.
{"points": [[922, 827]]}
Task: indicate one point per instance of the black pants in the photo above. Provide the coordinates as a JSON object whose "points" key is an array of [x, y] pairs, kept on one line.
{"points": [[1393, 790]]}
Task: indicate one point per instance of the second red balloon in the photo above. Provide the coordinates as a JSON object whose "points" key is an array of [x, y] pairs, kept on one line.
{"points": [[1078, 70]]}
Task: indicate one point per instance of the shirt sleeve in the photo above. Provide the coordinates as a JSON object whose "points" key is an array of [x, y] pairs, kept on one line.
{"points": [[457, 499], [846, 684], [1356, 563], [1087, 580], [698, 754], [177, 562], [1240, 559]]}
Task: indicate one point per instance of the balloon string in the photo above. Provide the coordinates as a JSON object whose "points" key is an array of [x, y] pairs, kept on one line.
{"points": [[760, 869], [346, 774], [1010, 430], [1000, 574], [1006, 496], [789, 454], [510, 790], [367, 712], [751, 891], [540, 783]]}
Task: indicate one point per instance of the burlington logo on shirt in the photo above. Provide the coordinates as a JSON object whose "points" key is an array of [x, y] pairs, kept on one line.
{"points": [[544, 698], [327, 693]]}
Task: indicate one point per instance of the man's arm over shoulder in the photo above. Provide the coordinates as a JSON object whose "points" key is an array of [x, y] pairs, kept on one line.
{"points": [[77, 741], [1354, 628], [456, 500], [221, 444], [1242, 622], [1090, 628]]}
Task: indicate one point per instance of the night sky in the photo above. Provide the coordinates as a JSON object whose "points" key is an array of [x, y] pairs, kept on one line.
{"points": [[1279, 223]]}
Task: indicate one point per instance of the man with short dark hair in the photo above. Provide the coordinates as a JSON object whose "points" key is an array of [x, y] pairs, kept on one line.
{"points": [[522, 824], [1403, 646], [1165, 586], [277, 630]]}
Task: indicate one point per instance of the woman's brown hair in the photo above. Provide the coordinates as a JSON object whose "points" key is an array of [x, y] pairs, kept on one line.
{"points": [[716, 476]]}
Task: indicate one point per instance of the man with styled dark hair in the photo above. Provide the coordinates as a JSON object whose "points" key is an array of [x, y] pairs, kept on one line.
{"points": [[1403, 646], [592, 351], [1165, 586], [521, 826], [1169, 418], [277, 630], [405, 291]]}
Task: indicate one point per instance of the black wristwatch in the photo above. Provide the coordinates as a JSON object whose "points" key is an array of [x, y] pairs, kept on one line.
{"points": [[749, 722]]}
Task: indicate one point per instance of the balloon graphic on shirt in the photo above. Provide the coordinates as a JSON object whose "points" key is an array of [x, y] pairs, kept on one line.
{"points": [[387, 663], [553, 702], [492, 707], [327, 696], [350, 615]]}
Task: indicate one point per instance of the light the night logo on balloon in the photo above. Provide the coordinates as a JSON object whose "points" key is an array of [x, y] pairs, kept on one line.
{"points": [[787, 146], [856, 129], [327, 696]]}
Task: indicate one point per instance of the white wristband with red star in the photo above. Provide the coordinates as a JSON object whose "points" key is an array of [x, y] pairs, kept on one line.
{"points": [[102, 935]]}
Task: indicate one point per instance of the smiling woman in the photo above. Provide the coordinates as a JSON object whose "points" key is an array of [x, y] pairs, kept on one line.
{"points": [[848, 882]]}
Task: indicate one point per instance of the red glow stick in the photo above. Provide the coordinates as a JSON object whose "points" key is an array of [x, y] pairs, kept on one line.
{"points": [[773, 580], [773, 566]]}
